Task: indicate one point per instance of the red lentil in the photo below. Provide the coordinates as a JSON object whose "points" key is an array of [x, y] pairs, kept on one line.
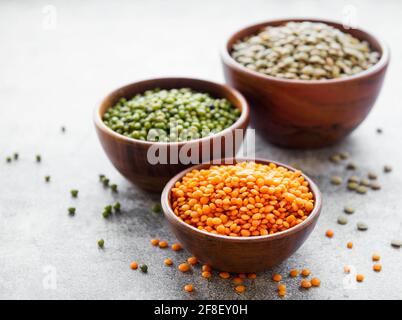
{"points": [[154, 242], [305, 284], [305, 272], [315, 282], [192, 260], [349, 245], [184, 267], [163, 244], [277, 277], [206, 274], [376, 257], [293, 273], [168, 262], [246, 199], [377, 267], [189, 288], [329, 233], [224, 275], [360, 278], [134, 265], [240, 289], [176, 247]]}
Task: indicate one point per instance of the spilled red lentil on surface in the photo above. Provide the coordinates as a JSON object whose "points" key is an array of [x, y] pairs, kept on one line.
{"points": [[245, 199]]}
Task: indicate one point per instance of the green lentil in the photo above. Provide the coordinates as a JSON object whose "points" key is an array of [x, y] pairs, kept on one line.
{"points": [[352, 185], [144, 268], [351, 166], [354, 179], [101, 243], [362, 226], [349, 210], [387, 168], [113, 187], [107, 211], [74, 193], [361, 189], [335, 158], [375, 186], [336, 180], [156, 207], [396, 243], [71, 211], [47, 178], [342, 220], [170, 115]]}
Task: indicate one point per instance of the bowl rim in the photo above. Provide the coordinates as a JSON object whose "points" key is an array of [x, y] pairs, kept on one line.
{"points": [[314, 214], [229, 60], [243, 118]]}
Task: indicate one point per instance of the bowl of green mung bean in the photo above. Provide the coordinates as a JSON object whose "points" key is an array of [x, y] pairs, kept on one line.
{"points": [[309, 82], [153, 129]]}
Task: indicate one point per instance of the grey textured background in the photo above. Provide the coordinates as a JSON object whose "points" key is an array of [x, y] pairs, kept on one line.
{"points": [[53, 77]]}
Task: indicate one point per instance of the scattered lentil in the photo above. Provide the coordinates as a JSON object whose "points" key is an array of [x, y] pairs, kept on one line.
{"points": [[192, 260], [305, 272], [376, 257], [352, 186], [206, 267], [315, 282], [294, 273], [277, 277], [251, 275], [224, 275], [361, 189], [349, 245], [8, 159], [184, 267], [176, 247], [342, 220], [359, 278], [353, 179], [71, 211], [240, 289], [47, 178], [377, 267], [155, 242], [336, 180], [38, 158], [238, 280], [396, 243], [329, 233], [351, 166], [375, 186], [305, 284], [163, 244], [206, 274], [349, 210], [144, 268], [168, 262], [362, 226], [15, 156], [117, 206], [189, 288], [134, 265]]}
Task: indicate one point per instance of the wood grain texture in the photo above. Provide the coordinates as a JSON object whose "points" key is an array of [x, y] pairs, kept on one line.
{"points": [[240, 254], [302, 113], [129, 156]]}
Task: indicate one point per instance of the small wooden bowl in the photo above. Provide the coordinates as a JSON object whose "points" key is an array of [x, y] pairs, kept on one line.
{"points": [[304, 113], [240, 254], [129, 156]]}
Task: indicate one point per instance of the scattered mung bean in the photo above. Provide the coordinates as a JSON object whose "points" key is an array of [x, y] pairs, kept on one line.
{"points": [[144, 268], [349, 210], [336, 180], [101, 243], [361, 189], [342, 220]]}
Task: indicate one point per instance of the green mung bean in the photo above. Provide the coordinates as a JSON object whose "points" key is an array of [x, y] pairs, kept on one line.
{"points": [[74, 193], [8, 159], [170, 115], [336, 180], [47, 178], [38, 158], [352, 185], [113, 187], [16, 156], [144, 268], [117, 206], [71, 211], [101, 243]]}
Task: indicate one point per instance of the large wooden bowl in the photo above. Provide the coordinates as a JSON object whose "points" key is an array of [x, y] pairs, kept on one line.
{"points": [[130, 156], [240, 254], [304, 113]]}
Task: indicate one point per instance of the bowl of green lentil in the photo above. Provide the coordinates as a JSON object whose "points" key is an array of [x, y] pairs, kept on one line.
{"points": [[309, 82], [153, 129]]}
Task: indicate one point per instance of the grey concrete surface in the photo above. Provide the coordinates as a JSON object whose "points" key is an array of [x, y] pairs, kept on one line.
{"points": [[53, 72]]}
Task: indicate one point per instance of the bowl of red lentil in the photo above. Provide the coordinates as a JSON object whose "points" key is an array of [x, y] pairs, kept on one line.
{"points": [[241, 215]]}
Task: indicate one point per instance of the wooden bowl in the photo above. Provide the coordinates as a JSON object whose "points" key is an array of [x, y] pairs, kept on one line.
{"points": [[304, 113], [240, 254], [130, 156]]}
